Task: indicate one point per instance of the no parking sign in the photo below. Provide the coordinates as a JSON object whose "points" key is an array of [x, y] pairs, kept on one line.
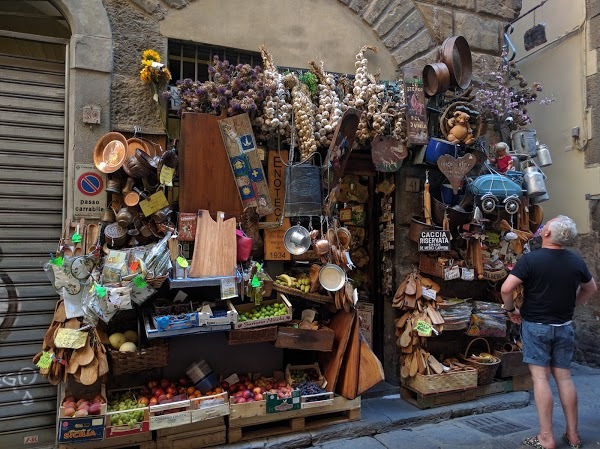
{"points": [[90, 196]]}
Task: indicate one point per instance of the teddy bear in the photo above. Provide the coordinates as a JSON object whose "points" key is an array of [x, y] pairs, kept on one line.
{"points": [[460, 130]]}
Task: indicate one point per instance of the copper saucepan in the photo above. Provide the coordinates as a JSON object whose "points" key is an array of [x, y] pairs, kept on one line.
{"points": [[436, 78]]}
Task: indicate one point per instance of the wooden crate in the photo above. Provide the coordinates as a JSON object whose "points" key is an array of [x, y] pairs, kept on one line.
{"points": [[139, 441], [306, 339], [523, 382], [248, 421], [192, 436], [424, 401], [511, 364]]}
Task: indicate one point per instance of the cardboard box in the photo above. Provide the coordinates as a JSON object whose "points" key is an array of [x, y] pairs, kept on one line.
{"points": [[81, 429], [276, 404], [245, 308], [208, 407], [170, 415]]}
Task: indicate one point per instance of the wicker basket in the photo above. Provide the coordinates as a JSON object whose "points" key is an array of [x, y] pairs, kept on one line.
{"points": [[431, 266], [485, 371], [439, 383], [154, 356], [476, 127], [257, 335], [157, 282]]}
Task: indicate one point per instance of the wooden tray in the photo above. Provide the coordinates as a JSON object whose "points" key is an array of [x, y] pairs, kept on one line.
{"points": [[316, 297]]}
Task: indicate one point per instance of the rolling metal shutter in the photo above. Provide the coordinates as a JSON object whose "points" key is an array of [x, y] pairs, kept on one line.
{"points": [[32, 141]]}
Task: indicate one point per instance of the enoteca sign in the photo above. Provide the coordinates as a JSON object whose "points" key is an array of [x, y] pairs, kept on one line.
{"points": [[90, 195]]}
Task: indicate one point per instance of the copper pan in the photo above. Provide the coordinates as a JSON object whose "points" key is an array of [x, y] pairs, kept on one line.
{"points": [[436, 78], [456, 54]]}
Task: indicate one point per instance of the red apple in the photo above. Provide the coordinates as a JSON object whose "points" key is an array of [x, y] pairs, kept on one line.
{"points": [[95, 408], [145, 391], [239, 400], [70, 404], [158, 392], [258, 397], [162, 398], [165, 383], [70, 398], [257, 390], [143, 401], [153, 401], [239, 394], [225, 385], [69, 411], [171, 390], [247, 394], [169, 395], [98, 398], [152, 383]]}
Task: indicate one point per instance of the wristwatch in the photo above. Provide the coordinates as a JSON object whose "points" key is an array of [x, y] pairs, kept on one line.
{"points": [[509, 310]]}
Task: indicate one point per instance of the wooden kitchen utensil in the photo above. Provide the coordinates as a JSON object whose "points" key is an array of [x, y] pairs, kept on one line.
{"points": [[370, 372], [202, 161], [215, 247], [341, 324], [349, 370]]}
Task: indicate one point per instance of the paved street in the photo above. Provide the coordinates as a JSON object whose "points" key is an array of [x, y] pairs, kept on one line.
{"points": [[495, 422], [497, 430]]}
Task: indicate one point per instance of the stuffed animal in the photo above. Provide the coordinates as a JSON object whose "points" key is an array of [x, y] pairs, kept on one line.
{"points": [[460, 130]]}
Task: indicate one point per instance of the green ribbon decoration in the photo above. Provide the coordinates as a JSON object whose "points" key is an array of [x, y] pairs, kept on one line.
{"points": [[100, 291], [139, 281]]}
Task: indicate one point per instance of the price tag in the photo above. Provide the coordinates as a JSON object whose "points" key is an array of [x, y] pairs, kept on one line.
{"points": [[182, 262], [70, 338], [429, 293], [180, 296], [45, 360], [154, 203], [467, 274], [166, 175], [228, 288], [423, 328], [451, 273]]}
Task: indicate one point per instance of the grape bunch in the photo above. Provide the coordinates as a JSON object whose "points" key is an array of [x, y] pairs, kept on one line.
{"points": [[309, 389], [130, 418], [308, 375], [134, 411]]}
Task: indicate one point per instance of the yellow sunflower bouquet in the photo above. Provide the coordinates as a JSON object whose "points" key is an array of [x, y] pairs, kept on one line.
{"points": [[153, 71]]}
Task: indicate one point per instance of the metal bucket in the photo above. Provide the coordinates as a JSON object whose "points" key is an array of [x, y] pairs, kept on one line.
{"points": [[524, 142], [534, 182], [541, 198], [544, 156]]}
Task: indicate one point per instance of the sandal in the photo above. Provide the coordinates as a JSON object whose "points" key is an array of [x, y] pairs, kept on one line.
{"points": [[572, 445], [533, 442]]}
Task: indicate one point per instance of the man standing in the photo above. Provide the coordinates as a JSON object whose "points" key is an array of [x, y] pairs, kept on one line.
{"points": [[555, 281]]}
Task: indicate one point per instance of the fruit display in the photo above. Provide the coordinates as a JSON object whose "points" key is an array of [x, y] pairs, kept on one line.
{"points": [[124, 342], [246, 390], [304, 375], [302, 282], [315, 392], [132, 409], [264, 311], [78, 408]]}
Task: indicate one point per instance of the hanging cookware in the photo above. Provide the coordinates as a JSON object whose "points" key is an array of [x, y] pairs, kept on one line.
{"points": [[115, 235], [297, 240], [124, 217], [436, 148], [110, 152], [332, 277], [436, 78], [543, 155], [524, 141], [113, 185], [456, 54], [533, 179], [302, 190]]}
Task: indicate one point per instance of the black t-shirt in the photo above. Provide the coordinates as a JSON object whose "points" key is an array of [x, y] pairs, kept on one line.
{"points": [[550, 280]]}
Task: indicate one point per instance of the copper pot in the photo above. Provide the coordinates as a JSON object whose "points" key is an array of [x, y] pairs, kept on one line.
{"points": [[115, 235], [321, 246]]}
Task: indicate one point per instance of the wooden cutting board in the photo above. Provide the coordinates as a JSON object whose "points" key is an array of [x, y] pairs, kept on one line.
{"points": [[370, 371], [348, 378], [205, 179], [341, 324], [214, 246]]}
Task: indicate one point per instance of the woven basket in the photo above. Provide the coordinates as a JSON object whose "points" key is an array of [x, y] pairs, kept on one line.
{"points": [[485, 371], [431, 266], [258, 335], [154, 356], [449, 112], [157, 282], [439, 383]]}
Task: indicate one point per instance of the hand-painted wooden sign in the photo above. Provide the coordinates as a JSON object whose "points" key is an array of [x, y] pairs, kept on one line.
{"points": [[387, 153], [456, 169], [416, 115]]}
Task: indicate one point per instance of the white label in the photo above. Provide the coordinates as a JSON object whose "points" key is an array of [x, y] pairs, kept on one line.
{"points": [[180, 296], [232, 379], [468, 274], [451, 273], [170, 420], [429, 293], [228, 288], [30, 439]]}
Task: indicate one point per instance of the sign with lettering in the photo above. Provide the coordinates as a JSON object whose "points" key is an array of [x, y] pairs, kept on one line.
{"points": [[455, 169], [273, 238], [89, 196], [434, 241], [416, 114]]}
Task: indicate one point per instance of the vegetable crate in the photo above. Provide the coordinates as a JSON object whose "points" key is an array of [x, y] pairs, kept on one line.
{"points": [[195, 435], [209, 407], [116, 428], [251, 420], [246, 308], [311, 372]]}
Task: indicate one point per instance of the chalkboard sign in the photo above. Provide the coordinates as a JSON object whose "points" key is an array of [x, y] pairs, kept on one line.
{"points": [[303, 190], [416, 116], [434, 241]]}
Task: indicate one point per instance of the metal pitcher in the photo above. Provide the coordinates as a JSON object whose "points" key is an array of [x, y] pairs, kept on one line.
{"points": [[544, 156], [533, 179], [541, 198], [524, 142]]}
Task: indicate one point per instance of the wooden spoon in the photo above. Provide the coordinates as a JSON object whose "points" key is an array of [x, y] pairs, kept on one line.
{"points": [[89, 373], [67, 248], [60, 314], [72, 323], [84, 355]]}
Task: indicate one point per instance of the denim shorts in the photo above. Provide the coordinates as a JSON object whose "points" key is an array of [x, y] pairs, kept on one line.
{"points": [[547, 345]]}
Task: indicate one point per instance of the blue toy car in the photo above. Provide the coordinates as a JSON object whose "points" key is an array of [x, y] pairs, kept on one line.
{"points": [[494, 190]]}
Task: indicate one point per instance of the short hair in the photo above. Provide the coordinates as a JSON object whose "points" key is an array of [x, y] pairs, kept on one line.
{"points": [[563, 230]]}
